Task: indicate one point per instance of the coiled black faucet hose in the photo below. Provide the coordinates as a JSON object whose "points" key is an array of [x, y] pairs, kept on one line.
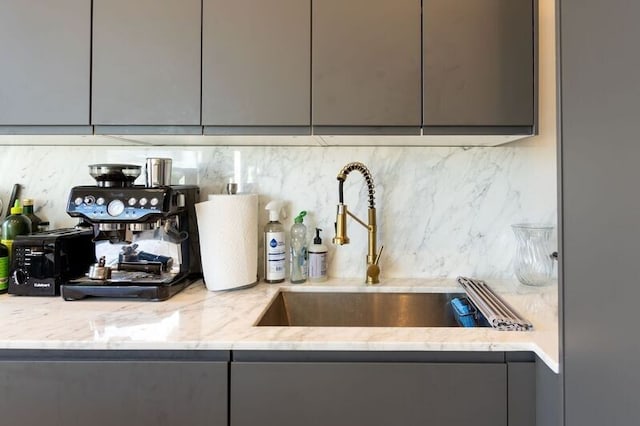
{"points": [[342, 176]]}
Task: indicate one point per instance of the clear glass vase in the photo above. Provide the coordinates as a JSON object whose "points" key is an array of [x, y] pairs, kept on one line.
{"points": [[534, 261]]}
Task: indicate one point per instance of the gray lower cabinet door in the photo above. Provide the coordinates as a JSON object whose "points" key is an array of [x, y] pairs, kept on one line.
{"points": [[44, 62], [366, 63], [549, 396], [478, 62], [310, 394], [521, 398], [256, 58], [81, 393], [146, 62]]}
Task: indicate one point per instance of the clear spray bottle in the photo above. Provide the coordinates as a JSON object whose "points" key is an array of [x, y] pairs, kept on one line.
{"points": [[299, 250], [274, 245]]}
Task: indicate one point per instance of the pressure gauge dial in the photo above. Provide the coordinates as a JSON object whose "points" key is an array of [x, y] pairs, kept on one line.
{"points": [[115, 208]]}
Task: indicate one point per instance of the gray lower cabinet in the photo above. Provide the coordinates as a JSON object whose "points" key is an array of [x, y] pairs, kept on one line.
{"points": [[146, 63], [366, 63], [108, 393], [346, 393], [478, 65], [45, 63], [548, 399], [217, 388], [521, 396], [256, 57]]}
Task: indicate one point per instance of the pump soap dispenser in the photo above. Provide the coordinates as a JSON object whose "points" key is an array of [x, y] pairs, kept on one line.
{"points": [[318, 259]]}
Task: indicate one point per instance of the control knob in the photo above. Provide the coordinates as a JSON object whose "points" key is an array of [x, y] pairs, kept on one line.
{"points": [[19, 277]]}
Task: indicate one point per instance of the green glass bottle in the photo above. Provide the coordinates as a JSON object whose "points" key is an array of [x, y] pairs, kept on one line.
{"points": [[4, 268], [15, 224]]}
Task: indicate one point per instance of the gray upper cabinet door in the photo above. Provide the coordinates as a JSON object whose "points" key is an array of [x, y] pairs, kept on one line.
{"points": [[478, 62], [256, 63], [44, 62], [366, 63], [146, 62]]}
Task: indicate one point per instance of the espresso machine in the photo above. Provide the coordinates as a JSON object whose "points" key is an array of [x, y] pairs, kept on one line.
{"points": [[146, 236]]}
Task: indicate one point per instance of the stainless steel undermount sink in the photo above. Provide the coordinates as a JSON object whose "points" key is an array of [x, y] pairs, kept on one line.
{"points": [[365, 309]]}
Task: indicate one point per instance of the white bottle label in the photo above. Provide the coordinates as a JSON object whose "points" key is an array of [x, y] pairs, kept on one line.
{"points": [[317, 265], [275, 256]]}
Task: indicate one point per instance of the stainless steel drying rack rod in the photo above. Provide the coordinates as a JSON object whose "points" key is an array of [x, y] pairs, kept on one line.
{"points": [[499, 315]]}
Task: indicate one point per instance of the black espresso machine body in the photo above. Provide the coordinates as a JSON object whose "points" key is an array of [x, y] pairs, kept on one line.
{"points": [[120, 214], [41, 262]]}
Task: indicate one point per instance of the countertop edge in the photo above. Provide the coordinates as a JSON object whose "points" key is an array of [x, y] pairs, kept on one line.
{"points": [[549, 361], [196, 319]]}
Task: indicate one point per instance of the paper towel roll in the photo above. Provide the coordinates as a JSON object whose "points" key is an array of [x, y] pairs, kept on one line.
{"points": [[228, 229]]}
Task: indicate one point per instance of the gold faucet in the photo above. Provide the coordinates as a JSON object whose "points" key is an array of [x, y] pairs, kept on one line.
{"points": [[373, 270]]}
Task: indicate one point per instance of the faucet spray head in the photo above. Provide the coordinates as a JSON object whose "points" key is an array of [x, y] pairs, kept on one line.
{"points": [[341, 226]]}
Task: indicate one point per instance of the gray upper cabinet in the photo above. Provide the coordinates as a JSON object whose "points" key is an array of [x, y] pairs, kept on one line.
{"points": [[146, 62], [268, 67], [45, 63], [366, 63], [256, 64], [478, 63]]}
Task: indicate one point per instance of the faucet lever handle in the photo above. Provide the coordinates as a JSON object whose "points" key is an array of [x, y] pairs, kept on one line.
{"points": [[375, 262]]}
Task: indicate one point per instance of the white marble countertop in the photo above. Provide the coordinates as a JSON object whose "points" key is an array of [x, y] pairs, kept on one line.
{"points": [[198, 319]]}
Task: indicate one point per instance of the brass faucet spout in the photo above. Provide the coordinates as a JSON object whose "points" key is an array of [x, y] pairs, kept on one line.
{"points": [[373, 270]]}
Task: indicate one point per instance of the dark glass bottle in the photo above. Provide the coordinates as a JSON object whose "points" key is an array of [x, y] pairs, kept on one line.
{"points": [[27, 210]]}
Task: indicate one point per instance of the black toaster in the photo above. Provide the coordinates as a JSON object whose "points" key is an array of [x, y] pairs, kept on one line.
{"points": [[42, 261]]}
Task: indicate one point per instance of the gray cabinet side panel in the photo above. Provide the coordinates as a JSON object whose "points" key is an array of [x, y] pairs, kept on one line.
{"points": [[366, 66], [146, 62], [478, 62], [256, 63], [107, 393], [600, 98], [44, 62], [319, 394]]}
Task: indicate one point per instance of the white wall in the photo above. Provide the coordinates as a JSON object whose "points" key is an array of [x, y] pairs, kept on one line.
{"points": [[441, 211]]}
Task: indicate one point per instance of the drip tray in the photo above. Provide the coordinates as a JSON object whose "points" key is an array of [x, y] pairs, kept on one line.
{"points": [[141, 289], [128, 277]]}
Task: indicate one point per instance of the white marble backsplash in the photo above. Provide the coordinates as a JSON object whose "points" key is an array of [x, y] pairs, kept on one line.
{"points": [[441, 211]]}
